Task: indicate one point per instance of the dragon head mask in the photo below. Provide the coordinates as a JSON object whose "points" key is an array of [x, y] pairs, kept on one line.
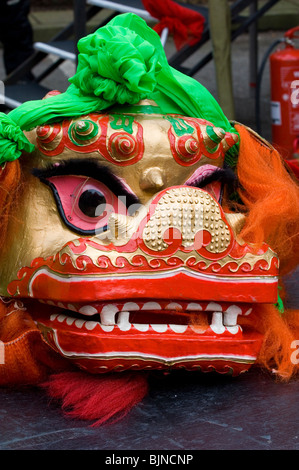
{"points": [[141, 229]]}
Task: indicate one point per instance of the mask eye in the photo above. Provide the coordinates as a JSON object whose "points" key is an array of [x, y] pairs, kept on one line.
{"points": [[92, 203], [84, 204]]}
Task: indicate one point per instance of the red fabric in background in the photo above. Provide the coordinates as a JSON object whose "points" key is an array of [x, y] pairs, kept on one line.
{"points": [[294, 165], [184, 24]]}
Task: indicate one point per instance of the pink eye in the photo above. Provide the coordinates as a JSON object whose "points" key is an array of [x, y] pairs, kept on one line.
{"points": [[84, 203]]}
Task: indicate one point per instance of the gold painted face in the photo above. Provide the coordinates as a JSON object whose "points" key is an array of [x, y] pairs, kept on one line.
{"points": [[111, 160], [119, 219]]}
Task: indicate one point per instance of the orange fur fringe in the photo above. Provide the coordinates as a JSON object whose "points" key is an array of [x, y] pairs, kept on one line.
{"points": [[271, 197], [280, 332], [9, 185]]}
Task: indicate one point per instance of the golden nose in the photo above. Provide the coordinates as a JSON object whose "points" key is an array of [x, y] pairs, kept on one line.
{"points": [[152, 179], [191, 212]]}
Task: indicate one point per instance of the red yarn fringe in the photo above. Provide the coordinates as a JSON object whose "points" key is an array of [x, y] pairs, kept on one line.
{"points": [[104, 398]]}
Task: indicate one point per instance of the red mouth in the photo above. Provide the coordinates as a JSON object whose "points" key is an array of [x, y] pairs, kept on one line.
{"points": [[102, 337], [136, 325]]}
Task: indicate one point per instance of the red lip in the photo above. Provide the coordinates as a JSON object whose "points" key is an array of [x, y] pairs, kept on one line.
{"points": [[171, 340]]}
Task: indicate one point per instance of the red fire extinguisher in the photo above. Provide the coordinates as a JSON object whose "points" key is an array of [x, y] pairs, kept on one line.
{"points": [[284, 71]]}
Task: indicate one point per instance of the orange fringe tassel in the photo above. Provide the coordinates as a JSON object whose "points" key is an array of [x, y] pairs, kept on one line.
{"points": [[271, 197], [9, 185], [280, 332]]}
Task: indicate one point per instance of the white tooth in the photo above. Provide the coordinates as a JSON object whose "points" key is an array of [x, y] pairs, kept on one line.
{"points": [[213, 307], [108, 314], [151, 306], [231, 315], [123, 321], [130, 307], [141, 326], [53, 317], [179, 328], [159, 328], [193, 306], [107, 328], [50, 302], [174, 306], [88, 310], [70, 320], [71, 307], [61, 318], [79, 323], [248, 312], [233, 329], [217, 325], [90, 325], [61, 305]]}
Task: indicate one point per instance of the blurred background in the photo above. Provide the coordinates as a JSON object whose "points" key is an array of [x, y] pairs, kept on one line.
{"points": [[49, 17]]}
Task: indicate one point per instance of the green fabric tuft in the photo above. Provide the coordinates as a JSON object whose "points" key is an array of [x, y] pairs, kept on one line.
{"points": [[12, 140]]}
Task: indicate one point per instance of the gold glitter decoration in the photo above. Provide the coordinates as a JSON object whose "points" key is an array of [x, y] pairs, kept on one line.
{"points": [[189, 211]]}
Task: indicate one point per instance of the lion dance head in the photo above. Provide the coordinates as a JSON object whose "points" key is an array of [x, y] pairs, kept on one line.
{"points": [[140, 230]]}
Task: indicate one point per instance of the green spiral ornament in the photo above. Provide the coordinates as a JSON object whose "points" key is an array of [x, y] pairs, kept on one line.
{"points": [[83, 132]]}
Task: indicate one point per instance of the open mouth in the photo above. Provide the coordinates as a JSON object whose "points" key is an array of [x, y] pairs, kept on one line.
{"points": [[157, 316], [154, 285], [146, 334], [154, 282]]}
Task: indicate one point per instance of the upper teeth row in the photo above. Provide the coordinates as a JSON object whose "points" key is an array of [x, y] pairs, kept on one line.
{"points": [[108, 312], [218, 326]]}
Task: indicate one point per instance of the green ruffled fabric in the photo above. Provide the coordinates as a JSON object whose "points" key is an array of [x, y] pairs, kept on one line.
{"points": [[117, 65], [124, 62]]}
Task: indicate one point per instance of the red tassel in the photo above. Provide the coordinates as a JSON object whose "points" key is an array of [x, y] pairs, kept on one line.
{"points": [[106, 399]]}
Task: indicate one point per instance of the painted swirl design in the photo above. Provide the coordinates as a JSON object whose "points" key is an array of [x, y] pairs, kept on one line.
{"points": [[83, 132], [48, 137], [122, 147], [188, 149]]}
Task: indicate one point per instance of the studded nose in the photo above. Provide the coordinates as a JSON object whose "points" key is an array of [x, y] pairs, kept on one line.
{"points": [[179, 216], [196, 217]]}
